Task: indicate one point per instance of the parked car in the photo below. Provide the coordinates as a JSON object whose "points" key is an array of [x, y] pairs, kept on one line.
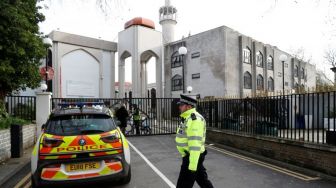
{"points": [[80, 142]]}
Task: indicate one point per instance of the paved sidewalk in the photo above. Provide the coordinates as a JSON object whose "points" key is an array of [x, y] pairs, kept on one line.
{"points": [[13, 165]]}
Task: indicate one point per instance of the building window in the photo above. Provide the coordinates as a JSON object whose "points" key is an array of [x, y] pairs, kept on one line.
{"points": [[195, 55], [270, 63], [247, 80], [270, 84], [247, 55], [302, 73], [195, 76], [176, 60], [296, 71], [286, 65], [279, 74], [259, 59], [286, 83], [177, 83], [260, 82]]}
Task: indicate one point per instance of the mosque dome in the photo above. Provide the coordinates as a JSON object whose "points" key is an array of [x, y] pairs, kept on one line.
{"points": [[140, 21]]}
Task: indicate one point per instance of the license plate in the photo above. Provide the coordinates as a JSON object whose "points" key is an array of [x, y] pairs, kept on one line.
{"points": [[82, 166]]}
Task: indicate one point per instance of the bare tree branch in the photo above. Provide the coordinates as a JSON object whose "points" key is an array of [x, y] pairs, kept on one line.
{"points": [[330, 56]]}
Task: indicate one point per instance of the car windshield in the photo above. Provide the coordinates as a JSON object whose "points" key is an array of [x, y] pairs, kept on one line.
{"points": [[82, 124]]}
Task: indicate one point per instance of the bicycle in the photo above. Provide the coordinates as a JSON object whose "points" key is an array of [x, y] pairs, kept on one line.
{"points": [[145, 128]]}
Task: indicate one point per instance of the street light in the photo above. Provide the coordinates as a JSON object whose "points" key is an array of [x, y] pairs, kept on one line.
{"points": [[43, 87], [189, 89], [283, 58], [183, 51], [47, 43]]}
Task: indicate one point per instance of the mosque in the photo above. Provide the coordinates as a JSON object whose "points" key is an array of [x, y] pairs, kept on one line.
{"points": [[215, 63]]}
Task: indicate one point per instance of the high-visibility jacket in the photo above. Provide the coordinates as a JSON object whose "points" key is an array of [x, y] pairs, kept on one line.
{"points": [[136, 115], [190, 136]]}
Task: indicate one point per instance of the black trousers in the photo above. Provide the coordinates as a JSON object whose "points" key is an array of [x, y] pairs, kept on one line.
{"points": [[187, 178], [137, 126]]}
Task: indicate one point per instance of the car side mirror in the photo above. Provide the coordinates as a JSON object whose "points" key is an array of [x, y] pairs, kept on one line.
{"points": [[43, 126], [117, 122]]}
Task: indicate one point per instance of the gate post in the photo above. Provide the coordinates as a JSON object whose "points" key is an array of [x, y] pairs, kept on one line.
{"points": [[43, 108], [130, 100]]}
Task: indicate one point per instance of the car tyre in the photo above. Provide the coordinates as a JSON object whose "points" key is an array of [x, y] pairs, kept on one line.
{"points": [[33, 183], [127, 179]]}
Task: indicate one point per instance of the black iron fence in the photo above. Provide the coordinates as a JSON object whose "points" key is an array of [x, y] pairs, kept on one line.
{"points": [[309, 117], [23, 107], [159, 116]]}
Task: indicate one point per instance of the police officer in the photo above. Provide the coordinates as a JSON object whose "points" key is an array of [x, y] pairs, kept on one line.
{"points": [[190, 139], [137, 119]]}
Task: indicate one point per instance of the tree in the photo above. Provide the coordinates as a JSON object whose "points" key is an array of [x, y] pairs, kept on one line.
{"points": [[21, 46], [330, 57]]}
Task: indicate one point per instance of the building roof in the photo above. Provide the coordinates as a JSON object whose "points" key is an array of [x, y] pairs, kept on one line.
{"points": [[67, 38]]}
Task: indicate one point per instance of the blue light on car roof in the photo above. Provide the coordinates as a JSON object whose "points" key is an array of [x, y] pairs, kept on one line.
{"points": [[79, 104]]}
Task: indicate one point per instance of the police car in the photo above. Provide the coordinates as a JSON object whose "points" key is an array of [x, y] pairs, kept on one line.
{"points": [[80, 143]]}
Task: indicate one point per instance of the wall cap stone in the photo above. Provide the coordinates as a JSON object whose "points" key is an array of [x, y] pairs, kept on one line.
{"points": [[322, 147]]}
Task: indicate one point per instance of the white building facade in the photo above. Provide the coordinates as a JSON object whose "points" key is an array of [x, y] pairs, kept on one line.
{"points": [[83, 66]]}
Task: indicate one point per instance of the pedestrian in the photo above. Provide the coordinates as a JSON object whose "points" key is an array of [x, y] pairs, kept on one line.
{"points": [[136, 119], [190, 139], [122, 115]]}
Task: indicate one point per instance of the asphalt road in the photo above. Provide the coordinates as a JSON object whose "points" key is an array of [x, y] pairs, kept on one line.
{"points": [[158, 166]]}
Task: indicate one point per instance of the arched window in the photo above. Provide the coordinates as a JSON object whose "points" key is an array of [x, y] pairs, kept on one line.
{"points": [[270, 63], [176, 60], [260, 82], [259, 59], [177, 83], [296, 71], [247, 55], [302, 73], [270, 84], [247, 80]]}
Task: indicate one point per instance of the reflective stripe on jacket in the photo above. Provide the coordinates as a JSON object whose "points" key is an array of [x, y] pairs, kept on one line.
{"points": [[190, 137]]}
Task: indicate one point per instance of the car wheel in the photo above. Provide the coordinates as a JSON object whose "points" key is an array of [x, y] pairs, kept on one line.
{"points": [[127, 179]]}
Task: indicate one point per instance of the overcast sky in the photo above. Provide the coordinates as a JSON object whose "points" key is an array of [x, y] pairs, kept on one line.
{"points": [[288, 24]]}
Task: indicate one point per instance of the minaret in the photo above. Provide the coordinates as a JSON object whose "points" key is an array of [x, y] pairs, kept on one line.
{"points": [[168, 21]]}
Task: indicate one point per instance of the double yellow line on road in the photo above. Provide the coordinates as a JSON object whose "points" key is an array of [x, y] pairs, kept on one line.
{"points": [[25, 182], [267, 165]]}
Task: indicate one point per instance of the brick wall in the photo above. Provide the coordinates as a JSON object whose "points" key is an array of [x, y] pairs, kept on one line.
{"points": [[28, 132], [312, 156]]}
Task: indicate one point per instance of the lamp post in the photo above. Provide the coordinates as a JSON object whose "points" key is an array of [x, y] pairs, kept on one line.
{"points": [[183, 51], [334, 71], [189, 89], [47, 43], [283, 58]]}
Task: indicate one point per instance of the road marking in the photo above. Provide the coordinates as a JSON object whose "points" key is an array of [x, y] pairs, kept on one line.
{"points": [[267, 165], [28, 185], [23, 181], [157, 171]]}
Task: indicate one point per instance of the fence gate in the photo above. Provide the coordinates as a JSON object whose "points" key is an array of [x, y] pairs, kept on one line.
{"points": [[159, 116]]}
